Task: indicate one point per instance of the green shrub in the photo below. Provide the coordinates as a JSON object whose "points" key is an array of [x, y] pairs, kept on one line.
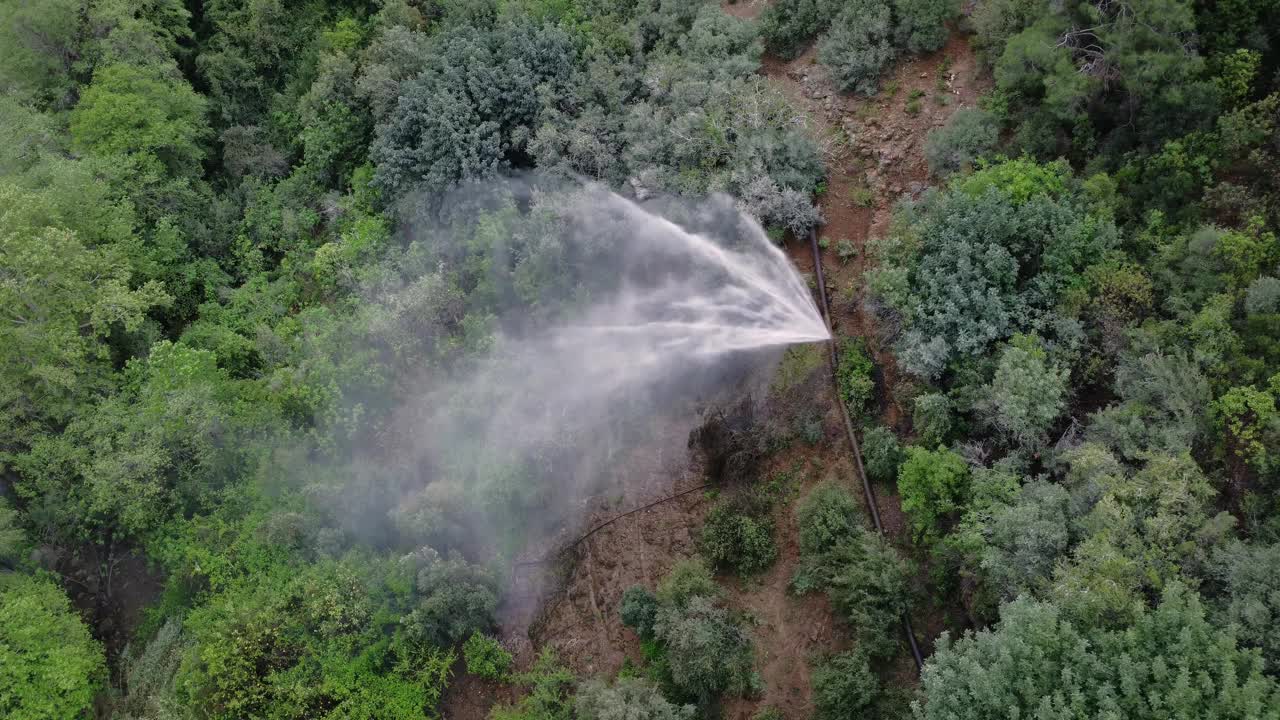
{"points": [[688, 579], [854, 376], [881, 453], [858, 46], [736, 540], [550, 692], [639, 609], [921, 25], [933, 484], [866, 580], [846, 250], [486, 657], [844, 687], [789, 25], [968, 134], [627, 699], [826, 516], [708, 652]]}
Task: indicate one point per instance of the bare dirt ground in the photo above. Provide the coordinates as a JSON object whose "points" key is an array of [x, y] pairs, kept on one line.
{"points": [[582, 621], [874, 150]]}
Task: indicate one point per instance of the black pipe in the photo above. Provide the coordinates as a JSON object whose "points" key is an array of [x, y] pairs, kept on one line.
{"points": [[853, 437]]}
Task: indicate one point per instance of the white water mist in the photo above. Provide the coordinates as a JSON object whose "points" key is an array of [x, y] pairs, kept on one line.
{"points": [[673, 301]]}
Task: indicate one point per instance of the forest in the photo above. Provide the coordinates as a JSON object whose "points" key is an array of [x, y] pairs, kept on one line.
{"points": [[253, 254]]}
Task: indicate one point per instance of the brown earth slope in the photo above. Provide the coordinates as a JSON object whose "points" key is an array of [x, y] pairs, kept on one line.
{"points": [[874, 150]]}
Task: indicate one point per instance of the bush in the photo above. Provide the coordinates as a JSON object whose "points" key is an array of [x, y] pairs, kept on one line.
{"points": [[854, 377], [844, 687], [737, 540], [867, 583], [828, 515], [486, 657], [788, 25], [858, 46], [846, 250], [933, 484], [968, 134], [881, 453], [627, 699], [708, 653], [921, 25], [688, 579], [550, 693], [639, 610]]}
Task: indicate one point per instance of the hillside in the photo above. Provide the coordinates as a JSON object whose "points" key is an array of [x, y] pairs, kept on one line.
{"points": [[466, 359]]}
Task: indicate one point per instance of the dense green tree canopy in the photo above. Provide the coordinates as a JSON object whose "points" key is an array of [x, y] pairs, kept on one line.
{"points": [[52, 666], [1171, 663]]}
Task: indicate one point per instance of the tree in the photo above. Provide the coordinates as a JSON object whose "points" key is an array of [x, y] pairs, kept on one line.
{"points": [[485, 657], [1164, 395], [932, 418], [866, 580], [933, 484], [13, 541], [1251, 596], [1026, 539], [1141, 532], [63, 298], [550, 692], [1154, 87], [862, 573], [986, 258], [52, 666], [148, 115], [475, 108], [324, 641], [1247, 415], [40, 45], [1026, 395], [707, 652], [1170, 663]]}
